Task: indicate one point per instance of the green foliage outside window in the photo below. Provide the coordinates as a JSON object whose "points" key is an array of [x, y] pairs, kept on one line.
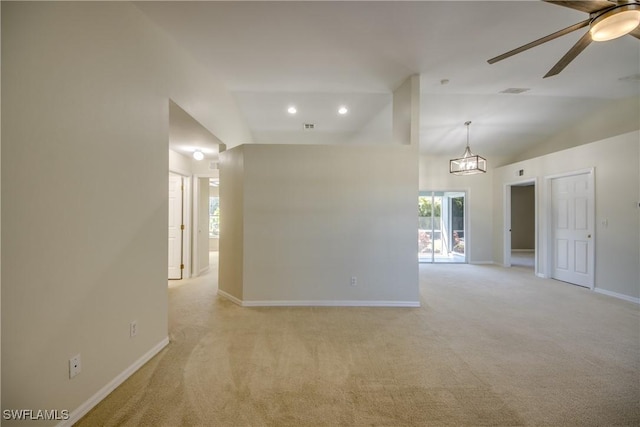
{"points": [[214, 216]]}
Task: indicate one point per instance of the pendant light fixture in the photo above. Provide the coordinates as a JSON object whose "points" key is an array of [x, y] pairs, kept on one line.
{"points": [[469, 163]]}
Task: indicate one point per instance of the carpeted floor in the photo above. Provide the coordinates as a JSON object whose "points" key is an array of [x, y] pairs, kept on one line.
{"points": [[489, 346]]}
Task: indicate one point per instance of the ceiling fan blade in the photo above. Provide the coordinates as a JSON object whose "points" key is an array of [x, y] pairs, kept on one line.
{"points": [[584, 41], [635, 33], [538, 42], [584, 6]]}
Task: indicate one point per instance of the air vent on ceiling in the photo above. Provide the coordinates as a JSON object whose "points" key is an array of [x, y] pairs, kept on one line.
{"points": [[515, 90], [631, 78], [309, 126], [213, 165]]}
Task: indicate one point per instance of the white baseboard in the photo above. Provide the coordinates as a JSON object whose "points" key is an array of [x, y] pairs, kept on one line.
{"points": [[617, 295], [482, 263], [79, 412], [317, 303], [230, 297], [329, 303]]}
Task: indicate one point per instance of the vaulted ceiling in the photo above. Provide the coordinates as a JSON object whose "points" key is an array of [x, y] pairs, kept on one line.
{"points": [[321, 55]]}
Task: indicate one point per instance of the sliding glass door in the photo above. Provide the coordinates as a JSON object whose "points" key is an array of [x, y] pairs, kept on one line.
{"points": [[441, 226]]}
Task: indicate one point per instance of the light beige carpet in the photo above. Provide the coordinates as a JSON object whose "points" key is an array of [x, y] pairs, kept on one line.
{"points": [[489, 346]]}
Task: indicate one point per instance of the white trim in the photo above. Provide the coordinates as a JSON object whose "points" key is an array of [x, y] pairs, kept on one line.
{"points": [[89, 404], [506, 225], [178, 171], [617, 295], [188, 225], [186, 220], [570, 173], [317, 303], [485, 263], [230, 297], [329, 303]]}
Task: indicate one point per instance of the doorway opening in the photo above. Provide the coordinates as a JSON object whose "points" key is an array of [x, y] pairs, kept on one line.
{"points": [[521, 222], [441, 227], [523, 225]]}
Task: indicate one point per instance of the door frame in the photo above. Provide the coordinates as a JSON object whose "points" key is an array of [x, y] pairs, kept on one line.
{"points": [[186, 220], [506, 256], [194, 230], [591, 172], [467, 246]]}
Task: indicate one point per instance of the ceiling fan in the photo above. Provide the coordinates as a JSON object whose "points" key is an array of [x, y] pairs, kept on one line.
{"points": [[607, 20]]}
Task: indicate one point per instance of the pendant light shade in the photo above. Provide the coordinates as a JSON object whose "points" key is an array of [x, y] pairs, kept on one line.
{"points": [[469, 163]]}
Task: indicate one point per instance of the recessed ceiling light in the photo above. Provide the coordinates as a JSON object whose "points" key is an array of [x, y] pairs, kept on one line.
{"points": [[343, 110], [292, 110], [198, 155]]}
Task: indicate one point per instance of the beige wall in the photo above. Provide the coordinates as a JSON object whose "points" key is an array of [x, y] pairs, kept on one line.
{"points": [[231, 261], [87, 132], [315, 216], [179, 163], [435, 176], [523, 217], [617, 185], [619, 117]]}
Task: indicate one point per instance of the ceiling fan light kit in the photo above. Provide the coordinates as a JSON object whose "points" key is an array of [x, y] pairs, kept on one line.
{"points": [[608, 20], [615, 23], [469, 163]]}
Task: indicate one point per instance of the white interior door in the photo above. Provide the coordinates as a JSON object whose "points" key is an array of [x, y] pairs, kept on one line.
{"points": [[572, 227], [176, 189]]}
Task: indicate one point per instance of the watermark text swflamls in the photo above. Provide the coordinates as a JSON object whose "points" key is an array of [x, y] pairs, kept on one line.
{"points": [[35, 414]]}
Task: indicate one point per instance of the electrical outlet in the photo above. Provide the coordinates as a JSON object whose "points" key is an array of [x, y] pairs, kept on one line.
{"points": [[354, 281], [133, 328], [75, 366]]}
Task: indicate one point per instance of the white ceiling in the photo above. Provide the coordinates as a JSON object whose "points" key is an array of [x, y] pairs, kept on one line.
{"points": [[319, 55]]}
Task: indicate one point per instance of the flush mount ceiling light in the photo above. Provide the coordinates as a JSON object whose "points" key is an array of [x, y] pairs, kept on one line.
{"points": [[292, 110], [343, 110], [469, 163], [615, 23], [198, 155]]}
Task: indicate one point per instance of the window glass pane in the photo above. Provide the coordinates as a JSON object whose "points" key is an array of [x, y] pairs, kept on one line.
{"points": [[214, 216], [441, 226]]}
